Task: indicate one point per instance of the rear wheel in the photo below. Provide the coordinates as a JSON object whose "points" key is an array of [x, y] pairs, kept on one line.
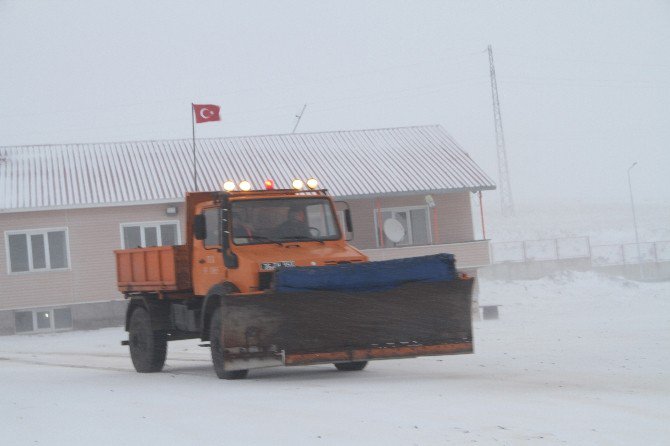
{"points": [[217, 348], [350, 366], [148, 347]]}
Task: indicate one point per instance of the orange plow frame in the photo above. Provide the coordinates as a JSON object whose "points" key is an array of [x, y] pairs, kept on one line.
{"points": [[379, 353]]}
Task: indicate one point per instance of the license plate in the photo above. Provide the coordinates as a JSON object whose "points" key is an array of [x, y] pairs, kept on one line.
{"points": [[271, 266]]}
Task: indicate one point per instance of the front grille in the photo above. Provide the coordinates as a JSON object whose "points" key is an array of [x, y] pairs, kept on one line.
{"points": [[265, 280]]}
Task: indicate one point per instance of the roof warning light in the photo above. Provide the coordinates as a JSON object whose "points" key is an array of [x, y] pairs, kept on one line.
{"points": [[297, 184], [312, 183]]}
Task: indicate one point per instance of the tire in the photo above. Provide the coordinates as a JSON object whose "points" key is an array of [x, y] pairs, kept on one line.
{"points": [[148, 348], [350, 366], [215, 329]]}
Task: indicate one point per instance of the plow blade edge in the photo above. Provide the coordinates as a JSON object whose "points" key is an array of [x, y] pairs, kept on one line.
{"points": [[308, 327]]}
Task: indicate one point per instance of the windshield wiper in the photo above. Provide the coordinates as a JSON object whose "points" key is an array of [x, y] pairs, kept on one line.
{"points": [[259, 237], [303, 237]]}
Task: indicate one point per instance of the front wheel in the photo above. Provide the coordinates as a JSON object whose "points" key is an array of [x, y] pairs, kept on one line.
{"points": [[350, 366], [148, 347], [217, 349]]}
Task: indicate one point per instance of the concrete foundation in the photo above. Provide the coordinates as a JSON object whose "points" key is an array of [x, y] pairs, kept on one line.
{"points": [[7, 323], [86, 316], [99, 315]]}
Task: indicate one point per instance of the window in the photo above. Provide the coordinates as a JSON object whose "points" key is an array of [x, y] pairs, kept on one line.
{"points": [[319, 217], [414, 220], [37, 250], [212, 220], [43, 320], [147, 234], [23, 321], [283, 219]]}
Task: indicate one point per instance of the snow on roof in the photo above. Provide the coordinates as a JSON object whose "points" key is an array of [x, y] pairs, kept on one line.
{"points": [[348, 163]]}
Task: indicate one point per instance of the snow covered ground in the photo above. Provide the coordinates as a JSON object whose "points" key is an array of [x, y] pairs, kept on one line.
{"points": [[575, 358]]}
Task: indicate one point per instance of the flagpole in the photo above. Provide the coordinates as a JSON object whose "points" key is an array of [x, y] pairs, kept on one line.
{"points": [[195, 164]]}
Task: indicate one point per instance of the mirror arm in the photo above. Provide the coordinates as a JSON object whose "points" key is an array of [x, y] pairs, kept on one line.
{"points": [[230, 259]]}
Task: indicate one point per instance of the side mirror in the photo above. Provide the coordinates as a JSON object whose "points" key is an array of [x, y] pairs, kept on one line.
{"points": [[229, 257], [199, 228], [347, 220]]}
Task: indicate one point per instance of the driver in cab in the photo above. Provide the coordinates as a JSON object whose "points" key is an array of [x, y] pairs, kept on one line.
{"points": [[296, 224]]}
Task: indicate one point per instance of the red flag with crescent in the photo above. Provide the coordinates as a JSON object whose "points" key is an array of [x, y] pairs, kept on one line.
{"points": [[206, 112]]}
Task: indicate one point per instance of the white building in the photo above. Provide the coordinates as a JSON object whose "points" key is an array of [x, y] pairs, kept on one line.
{"points": [[65, 208]]}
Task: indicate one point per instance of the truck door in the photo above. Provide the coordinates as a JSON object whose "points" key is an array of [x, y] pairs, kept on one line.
{"points": [[208, 268]]}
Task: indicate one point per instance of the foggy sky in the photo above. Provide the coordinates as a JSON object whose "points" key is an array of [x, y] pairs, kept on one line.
{"points": [[584, 86]]}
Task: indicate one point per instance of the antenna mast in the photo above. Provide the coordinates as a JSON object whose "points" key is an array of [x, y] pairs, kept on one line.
{"points": [[299, 116], [506, 203]]}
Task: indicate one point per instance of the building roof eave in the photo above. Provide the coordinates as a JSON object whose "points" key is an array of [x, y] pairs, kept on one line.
{"points": [[181, 199]]}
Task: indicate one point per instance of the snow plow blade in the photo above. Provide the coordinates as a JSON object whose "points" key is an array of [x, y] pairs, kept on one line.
{"points": [[309, 327]]}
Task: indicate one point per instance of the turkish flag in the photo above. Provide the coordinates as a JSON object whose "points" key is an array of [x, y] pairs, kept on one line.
{"points": [[206, 112]]}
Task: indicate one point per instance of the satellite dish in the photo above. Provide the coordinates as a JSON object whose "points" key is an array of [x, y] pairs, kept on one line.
{"points": [[394, 230]]}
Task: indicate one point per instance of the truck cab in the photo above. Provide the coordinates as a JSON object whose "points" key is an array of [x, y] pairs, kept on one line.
{"points": [[241, 238]]}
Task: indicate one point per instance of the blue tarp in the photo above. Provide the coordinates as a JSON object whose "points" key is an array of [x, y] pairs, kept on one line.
{"points": [[369, 276]]}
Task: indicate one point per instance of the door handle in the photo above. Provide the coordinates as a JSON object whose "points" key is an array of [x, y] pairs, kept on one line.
{"points": [[201, 261]]}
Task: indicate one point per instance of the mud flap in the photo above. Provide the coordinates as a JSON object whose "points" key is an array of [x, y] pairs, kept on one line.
{"points": [[297, 328]]}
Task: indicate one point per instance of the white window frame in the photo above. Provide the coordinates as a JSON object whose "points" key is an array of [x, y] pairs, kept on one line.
{"points": [[145, 224], [377, 212], [43, 232]]}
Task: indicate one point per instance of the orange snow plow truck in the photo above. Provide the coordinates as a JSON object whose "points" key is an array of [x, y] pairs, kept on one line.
{"points": [[267, 278]]}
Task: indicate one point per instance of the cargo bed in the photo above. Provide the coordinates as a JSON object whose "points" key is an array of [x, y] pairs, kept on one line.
{"points": [[160, 268]]}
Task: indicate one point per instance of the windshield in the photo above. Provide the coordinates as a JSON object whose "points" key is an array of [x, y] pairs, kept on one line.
{"points": [[283, 220]]}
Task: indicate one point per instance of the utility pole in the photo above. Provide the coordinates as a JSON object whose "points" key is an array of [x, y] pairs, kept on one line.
{"points": [[637, 237], [299, 116], [195, 162], [506, 203]]}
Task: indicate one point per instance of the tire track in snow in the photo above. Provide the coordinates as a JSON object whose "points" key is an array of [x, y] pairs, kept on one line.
{"points": [[35, 360], [95, 355]]}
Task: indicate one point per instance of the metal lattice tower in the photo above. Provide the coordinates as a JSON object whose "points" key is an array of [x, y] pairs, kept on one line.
{"points": [[506, 203]]}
